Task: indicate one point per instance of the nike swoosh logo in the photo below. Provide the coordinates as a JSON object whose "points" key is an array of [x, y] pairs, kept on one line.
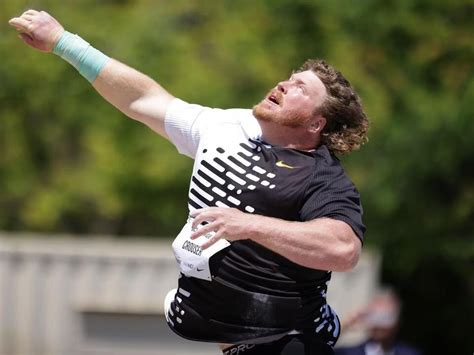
{"points": [[198, 269], [282, 164]]}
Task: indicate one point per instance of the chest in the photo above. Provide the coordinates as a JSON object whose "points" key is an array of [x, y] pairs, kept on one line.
{"points": [[251, 176]]}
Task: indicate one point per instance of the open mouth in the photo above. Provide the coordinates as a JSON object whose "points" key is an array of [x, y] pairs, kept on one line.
{"points": [[273, 99]]}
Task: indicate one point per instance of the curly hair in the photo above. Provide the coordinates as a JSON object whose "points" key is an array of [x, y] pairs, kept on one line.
{"points": [[346, 123]]}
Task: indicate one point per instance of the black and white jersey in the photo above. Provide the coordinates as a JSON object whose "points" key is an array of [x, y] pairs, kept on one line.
{"points": [[235, 168]]}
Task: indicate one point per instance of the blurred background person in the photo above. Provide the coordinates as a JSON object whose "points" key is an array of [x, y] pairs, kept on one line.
{"points": [[381, 319]]}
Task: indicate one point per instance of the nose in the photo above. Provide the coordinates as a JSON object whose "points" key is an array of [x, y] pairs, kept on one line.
{"points": [[282, 87]]}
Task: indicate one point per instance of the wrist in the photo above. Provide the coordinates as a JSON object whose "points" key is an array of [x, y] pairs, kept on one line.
{"points": [[257, 226], [81, 55], [56, 37]]}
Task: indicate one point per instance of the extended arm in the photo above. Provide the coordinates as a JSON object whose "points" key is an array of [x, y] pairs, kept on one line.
{"points": [[135, 94], [323, 243], [132, 92]]}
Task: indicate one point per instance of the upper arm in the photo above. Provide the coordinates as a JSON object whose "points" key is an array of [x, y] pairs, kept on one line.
{"points": [[186, 124], [332, 195], [135, 94], [143, 99], [341, 236], [151, 110]]}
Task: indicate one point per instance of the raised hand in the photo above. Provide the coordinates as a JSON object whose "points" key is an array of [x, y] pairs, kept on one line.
{"points": [[38, 29]]}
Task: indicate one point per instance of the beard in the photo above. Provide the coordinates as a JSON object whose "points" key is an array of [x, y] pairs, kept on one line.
{"points": [[288, 118]]}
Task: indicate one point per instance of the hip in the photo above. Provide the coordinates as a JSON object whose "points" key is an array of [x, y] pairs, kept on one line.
{"points": [[211, 311]]}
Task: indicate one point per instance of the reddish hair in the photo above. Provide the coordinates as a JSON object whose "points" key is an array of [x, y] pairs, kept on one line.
{"points": [[346, 123]]}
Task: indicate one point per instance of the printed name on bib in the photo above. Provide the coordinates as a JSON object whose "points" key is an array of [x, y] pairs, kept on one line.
{"points": [[192, 248], [192, 259]]}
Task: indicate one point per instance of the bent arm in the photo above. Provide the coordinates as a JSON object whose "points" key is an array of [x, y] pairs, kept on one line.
{"points": [[322, 243]]}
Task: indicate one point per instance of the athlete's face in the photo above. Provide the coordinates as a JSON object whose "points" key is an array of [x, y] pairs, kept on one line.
{"points": [[292, 102]]}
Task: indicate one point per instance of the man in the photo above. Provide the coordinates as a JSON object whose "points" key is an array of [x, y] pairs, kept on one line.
{"points": [[272, 212], [381, 319]]}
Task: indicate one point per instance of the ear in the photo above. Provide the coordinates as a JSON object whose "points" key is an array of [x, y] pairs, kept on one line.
{"points": [[317, 124]]}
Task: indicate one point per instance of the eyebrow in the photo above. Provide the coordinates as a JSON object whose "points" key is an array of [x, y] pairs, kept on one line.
{"points": [[299, 81]]}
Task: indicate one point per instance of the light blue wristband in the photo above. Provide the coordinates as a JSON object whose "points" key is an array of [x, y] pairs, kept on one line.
{"points": [[81, 55]]}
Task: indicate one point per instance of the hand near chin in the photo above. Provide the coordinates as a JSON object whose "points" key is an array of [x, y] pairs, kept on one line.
{"points": [[38, 29]]}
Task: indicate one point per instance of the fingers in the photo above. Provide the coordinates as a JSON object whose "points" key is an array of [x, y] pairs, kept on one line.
{"points": [[212, 240], [20, 23], [23, 23], [42, 29], [206, 215], [31, 12], [27, 17], [219, 220], [202, 215], [208, 228], [205, 230]]}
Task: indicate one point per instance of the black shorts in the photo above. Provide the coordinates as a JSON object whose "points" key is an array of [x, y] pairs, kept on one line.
{"points": [[242, 317], [288, 345]]}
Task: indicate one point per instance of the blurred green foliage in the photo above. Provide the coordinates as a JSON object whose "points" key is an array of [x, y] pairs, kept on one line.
{"points": [[70, 162]]}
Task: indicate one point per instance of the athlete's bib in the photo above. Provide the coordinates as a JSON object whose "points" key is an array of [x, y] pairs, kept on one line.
{"points": [[192, 259]]}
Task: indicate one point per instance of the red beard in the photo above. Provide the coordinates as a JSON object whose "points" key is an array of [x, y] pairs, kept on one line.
{"points": [[288, 118]]}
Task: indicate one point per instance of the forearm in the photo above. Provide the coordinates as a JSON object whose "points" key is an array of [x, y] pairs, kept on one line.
{"points": [[132, 92], [135, 94], [324, 243]]}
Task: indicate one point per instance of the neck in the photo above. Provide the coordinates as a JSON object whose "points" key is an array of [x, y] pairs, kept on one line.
{"points": [[288, 137]]}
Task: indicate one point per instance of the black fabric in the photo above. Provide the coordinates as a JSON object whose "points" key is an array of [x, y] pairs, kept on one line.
{"points": [[233, 316], [276, 182], [331, 194], [308, 185], [238, 316], [240, 307]]}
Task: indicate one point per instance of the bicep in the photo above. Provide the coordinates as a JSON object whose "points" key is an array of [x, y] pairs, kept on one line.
{"points": [[335, 228], [339, 237], [134, 93], [151, 111], [349, 243]]}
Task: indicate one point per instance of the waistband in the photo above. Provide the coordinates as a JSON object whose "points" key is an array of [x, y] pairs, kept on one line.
{"points": [[217, 301]]}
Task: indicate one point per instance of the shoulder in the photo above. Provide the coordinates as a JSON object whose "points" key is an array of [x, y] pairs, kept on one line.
{"points": [[240, 116], [178, 106], [211, 117], [331, 193], [324, 157], [328, 168]]}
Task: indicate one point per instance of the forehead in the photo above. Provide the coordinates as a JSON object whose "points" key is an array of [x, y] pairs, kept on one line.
{"points": [[311, 80]]}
